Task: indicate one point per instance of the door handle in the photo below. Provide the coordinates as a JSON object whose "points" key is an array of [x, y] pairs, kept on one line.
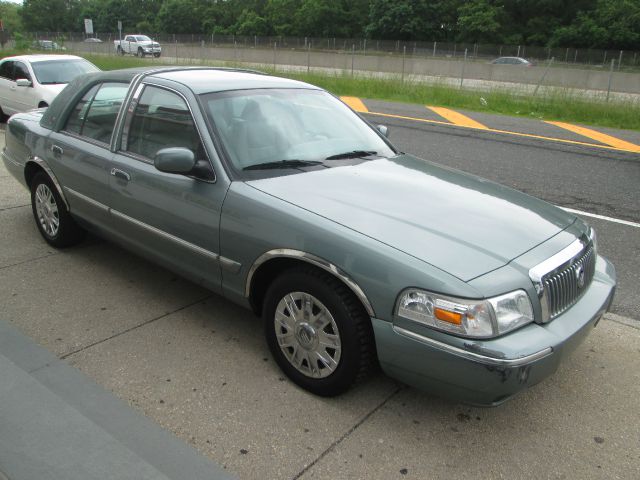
{"points": [[57, 150], [116, 172]]}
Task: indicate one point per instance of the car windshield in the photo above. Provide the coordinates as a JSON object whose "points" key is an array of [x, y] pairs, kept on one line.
{"points": [[142, 38], [50, 72], [267, 126]]}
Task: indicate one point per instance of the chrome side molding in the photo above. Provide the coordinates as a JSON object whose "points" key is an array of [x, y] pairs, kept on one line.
{"points": [[41, 163], [313, 260]]}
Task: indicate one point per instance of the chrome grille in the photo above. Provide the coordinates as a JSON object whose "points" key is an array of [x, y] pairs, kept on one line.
{"points": [[564, 286]]}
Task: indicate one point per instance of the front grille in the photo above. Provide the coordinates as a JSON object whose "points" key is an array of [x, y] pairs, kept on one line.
{"points": [[564, 287]]}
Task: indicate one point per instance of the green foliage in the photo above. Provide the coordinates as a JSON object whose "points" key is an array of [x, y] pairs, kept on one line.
{"points": [[50, 15], [179, 16], [606, 24], [250, 23], [279, 14], [22, 42], [612, 24], [479, 22], [10, 17]]}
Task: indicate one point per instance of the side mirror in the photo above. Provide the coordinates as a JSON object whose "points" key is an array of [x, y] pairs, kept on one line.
{"points": [[23, 82], [383, 130], [175, 160]]}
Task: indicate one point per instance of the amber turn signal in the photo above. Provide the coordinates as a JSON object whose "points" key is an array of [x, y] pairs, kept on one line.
{"points": [[447, 316]]}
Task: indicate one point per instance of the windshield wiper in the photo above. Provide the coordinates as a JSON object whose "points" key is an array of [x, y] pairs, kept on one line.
{"points": [[292, 163], [352, 154]]}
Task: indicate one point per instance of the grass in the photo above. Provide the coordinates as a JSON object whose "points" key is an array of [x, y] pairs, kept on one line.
{"points": [[549, 104]]}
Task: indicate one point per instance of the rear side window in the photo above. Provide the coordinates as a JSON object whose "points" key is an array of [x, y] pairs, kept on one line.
{"points": [[94, 116], [6, 70]]}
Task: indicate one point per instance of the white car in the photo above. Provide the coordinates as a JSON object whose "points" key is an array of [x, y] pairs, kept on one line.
{"points": [[33, 81]]}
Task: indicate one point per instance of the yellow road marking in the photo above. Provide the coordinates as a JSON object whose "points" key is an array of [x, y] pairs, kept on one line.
{"points": [[355, 103], [598, 136], [505, 132], [457, 118]]}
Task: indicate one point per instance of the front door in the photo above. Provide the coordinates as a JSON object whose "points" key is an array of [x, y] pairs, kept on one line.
{"points": [[173, 218], [23, 97]]}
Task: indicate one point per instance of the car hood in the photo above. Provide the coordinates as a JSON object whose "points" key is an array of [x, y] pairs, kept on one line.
{"points": [[460, 223], [54, 89]]}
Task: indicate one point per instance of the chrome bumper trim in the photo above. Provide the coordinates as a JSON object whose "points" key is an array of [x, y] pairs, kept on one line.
{"points": [[475, 357]]}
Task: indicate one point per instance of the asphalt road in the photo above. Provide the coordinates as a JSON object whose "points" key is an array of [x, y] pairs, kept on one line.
{"points": [[198, 365], [595, 180]]}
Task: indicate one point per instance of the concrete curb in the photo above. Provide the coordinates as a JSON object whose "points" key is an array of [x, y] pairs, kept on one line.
{"points": [[57, 423]]}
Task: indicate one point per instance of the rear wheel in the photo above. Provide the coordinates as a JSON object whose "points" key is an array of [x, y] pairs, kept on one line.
{"points": [[52, 217], [120, 51], [317, 331]]}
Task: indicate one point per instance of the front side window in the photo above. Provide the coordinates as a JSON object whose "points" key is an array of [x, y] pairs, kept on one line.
{"points": [[161, 120], [21, 71], [94, 116], [142, 38]]}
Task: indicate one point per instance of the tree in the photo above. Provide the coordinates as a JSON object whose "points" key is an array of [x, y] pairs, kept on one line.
{"points": [[321, 18], [479, 21], [250, 23], [279, 14], [50, 15], [612, 24], [9, 13], [179, 16]]}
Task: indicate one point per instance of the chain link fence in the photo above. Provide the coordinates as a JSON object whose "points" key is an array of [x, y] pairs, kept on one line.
{"points": [[629, 60]]}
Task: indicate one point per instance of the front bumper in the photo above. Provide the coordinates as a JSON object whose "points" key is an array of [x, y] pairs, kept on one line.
{"points": [[488, 372]]}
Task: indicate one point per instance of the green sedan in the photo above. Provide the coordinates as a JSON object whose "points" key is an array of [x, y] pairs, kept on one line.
{"points": [[276, 195]]}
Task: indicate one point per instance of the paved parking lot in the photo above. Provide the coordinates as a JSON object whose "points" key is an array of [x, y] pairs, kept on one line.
{"points": [[198, 366]]}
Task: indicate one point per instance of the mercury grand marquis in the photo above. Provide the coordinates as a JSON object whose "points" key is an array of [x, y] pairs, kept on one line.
{"points": [[279, 197]]}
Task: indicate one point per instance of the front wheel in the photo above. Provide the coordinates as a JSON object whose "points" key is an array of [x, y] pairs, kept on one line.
{"points": [[317, 331], [54, 222], [140, 53], [157, 55]]}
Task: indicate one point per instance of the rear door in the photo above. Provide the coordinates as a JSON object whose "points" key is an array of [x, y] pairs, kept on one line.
{"points": [[171, 217], [80, 153]]}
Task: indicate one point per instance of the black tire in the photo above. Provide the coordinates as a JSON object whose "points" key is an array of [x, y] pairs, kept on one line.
{"points": [[3, 116], [357, 346], [157, 55], [140, 53], [68, 232], [120, 51]]}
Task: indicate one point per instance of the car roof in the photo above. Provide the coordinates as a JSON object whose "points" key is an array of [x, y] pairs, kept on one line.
{"points": [[209, 80], [42, 58], [199, 79]]}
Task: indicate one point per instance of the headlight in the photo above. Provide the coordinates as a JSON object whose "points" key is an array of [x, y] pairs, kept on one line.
{"points": [[469, 318]]}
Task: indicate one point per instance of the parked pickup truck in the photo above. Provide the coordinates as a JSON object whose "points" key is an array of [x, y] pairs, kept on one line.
{"points": [[139, 45]]}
